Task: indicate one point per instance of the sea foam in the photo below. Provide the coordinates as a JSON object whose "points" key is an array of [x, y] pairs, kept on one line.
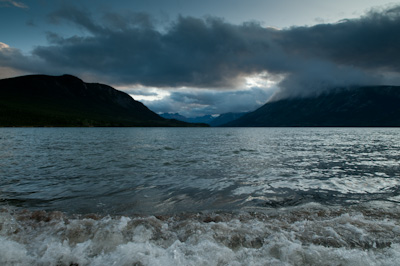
{"points": [[306, 235]]}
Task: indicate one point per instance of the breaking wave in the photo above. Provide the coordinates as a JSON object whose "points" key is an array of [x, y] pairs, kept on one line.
{"points": [[307, 235]]}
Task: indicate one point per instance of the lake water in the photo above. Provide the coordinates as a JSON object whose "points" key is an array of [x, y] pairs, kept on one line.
{"points": [[199, 196]]}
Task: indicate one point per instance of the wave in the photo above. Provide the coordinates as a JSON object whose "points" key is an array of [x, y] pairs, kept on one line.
{"points": [[311, 234]]}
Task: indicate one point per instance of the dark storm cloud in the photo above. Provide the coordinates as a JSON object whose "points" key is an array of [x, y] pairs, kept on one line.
{"points": [[211, 53], [368, 42], [76, 16], [351, 52], [189, 52], [14, 59]]}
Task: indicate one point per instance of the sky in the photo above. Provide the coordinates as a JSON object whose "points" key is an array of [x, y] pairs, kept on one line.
{"points": [[205, 57]]}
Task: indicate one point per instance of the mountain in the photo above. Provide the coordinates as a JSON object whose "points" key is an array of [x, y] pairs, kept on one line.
{"points": [[206, 119], [225, 118], [175, 116], [373, 106], [201, 119], [40, 100]]}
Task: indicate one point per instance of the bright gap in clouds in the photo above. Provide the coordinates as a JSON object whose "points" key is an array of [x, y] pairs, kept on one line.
{"points": [[262, 80], [255, 91], [4, 46], [143, 93]]}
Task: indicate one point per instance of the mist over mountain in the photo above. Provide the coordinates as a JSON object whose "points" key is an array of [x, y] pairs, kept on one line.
{"points": [[40, 100], [371, 106]]}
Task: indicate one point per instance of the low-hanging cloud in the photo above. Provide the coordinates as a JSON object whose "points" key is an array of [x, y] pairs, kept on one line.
{"points": [[212, 53], [207, 102]]}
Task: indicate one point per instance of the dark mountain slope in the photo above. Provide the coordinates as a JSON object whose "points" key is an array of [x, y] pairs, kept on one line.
{"points": [[377, 106], [40, 100], [225, 118]]}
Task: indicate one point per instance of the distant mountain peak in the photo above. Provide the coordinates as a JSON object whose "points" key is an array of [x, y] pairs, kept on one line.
{"points": [[212, 120]]}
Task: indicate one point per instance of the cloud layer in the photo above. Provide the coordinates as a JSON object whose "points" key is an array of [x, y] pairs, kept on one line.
{"points": [[211, 53], [12, 3], [205, 102]]}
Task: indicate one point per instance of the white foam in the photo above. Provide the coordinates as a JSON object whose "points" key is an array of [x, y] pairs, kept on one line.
{"points": [[307, 235], [12, 253]]}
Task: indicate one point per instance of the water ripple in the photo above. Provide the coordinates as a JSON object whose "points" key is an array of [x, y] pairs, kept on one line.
{"points": [[158, 170]]}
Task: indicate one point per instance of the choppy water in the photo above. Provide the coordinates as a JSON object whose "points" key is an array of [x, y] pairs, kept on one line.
{"points": [[199, 196]]}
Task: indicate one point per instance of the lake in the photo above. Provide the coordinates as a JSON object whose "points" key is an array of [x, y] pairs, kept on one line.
{"points": [[199, 196]]}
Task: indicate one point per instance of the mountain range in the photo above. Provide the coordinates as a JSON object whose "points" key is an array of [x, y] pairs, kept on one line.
{"points": [[214, 121], [41, 100], [371, 106], [198, 119]]}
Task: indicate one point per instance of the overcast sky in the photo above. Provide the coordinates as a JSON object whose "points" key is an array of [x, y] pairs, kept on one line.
{"points": [[205, 57]]}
